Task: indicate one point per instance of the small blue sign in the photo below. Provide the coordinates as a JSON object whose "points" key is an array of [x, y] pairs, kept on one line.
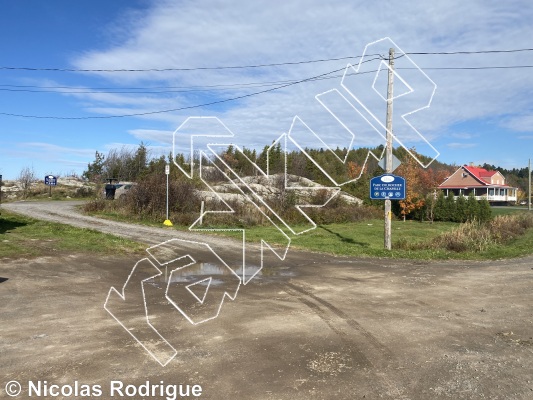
{"points": [[387, 186], [50, 180]]}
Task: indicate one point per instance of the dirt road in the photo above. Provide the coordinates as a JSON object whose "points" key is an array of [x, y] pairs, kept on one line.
{"points": [[66, 212], [311, 327]]}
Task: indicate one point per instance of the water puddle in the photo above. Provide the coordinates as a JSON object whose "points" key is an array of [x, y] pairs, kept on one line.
{"points": [[218, 273]]}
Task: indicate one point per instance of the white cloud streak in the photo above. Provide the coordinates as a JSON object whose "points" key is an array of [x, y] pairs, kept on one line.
{"points": [[216, 33]]}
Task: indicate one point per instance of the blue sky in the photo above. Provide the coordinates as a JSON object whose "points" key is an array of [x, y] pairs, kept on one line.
{"points": [[475, 115]]}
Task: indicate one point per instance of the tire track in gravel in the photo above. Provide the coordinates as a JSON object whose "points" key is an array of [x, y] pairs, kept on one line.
{"points": [[366, 350]]}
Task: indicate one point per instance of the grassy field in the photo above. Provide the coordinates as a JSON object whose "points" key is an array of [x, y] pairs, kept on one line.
{"points": [[365, 239], [507, 210], [362, 239], [25, 237]]}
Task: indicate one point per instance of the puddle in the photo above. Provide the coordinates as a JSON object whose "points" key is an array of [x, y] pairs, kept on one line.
{"points": [[217, 273]]}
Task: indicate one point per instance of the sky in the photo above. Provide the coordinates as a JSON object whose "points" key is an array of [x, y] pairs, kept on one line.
{"points": [[104, 75]]}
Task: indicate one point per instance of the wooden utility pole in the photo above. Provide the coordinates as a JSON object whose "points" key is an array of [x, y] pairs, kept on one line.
{"points": [[388, 149]]}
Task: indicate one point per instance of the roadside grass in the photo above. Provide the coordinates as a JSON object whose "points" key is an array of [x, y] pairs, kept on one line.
{"points": [[21, 236], [360, 239], [507, 210], [410, 239]]}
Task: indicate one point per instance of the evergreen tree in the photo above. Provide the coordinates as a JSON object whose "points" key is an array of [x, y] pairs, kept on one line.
{"points": [[485, 212], [460, 209], [472, 208], [450, 207], [95, 170], [439, 213]]}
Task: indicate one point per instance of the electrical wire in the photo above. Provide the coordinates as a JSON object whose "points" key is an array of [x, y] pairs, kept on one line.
{"points": [[278, 85], [180, 108], [254, 65], [182, 69], [211, 88]]}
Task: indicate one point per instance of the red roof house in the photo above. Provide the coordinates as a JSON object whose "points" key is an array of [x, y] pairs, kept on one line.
{"points": [[484, 184]]}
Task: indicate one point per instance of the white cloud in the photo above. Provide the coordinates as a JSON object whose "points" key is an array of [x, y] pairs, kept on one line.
{"points": [[152, 135], [520, 123], [457, 145], [213, 33], [48, 150]]}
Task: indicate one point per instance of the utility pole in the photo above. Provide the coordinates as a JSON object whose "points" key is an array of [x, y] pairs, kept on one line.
{"points": [[388, 149], [529, 187]]}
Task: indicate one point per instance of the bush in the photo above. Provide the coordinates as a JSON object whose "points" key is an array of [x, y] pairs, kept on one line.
{"points": [[95, 205], [148, 198], [480, 236]]}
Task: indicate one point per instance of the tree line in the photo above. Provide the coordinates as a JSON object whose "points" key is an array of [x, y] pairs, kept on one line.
{"points": [[422, 198]]}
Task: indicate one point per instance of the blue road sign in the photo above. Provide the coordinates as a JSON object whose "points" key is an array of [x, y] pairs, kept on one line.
{"points": [[50, 180], [387, 186]]}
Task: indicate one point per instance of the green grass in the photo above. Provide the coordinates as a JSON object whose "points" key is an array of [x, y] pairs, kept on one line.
{"points": [[507, 210], [361, 239], [26, 237], [365, 239]]}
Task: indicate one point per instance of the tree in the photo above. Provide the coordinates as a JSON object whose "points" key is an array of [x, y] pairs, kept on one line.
{"points": [[413, 201], [472, 208], [450, 207], [137, 165], [95, 169], [26, 178], [460, 209], [485, 212], [428, 211]]}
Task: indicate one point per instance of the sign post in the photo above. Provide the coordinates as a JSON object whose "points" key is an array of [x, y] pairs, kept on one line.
{"points": [[50, 180], [167, 172], [387, 187]]}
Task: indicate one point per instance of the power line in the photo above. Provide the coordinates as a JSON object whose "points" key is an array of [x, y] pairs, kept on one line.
{"points": [[180, 108], [277, 84], [210, 88], [314, 78], [253, 65], [182, 69], [471, 52]]}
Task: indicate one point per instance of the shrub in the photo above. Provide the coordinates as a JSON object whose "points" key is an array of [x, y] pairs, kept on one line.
{"points": [[479, 236], [148, 198], [95, 205]]}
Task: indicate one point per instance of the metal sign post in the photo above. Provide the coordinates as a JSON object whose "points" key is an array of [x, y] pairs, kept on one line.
{"points": [[50, 180], [529, 187], [167, 172]]}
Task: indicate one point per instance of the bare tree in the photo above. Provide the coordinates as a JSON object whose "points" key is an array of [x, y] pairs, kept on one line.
{"points": [[26, 178]]}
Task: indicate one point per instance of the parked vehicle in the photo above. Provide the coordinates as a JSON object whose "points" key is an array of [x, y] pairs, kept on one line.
{"points": [[117, 190]]}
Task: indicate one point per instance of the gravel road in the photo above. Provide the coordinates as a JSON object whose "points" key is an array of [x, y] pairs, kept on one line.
{"points": [[66, 212], [312, 327]]}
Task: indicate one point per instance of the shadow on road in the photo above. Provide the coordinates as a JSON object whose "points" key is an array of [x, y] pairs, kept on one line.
{"points": [[2, 280]]}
